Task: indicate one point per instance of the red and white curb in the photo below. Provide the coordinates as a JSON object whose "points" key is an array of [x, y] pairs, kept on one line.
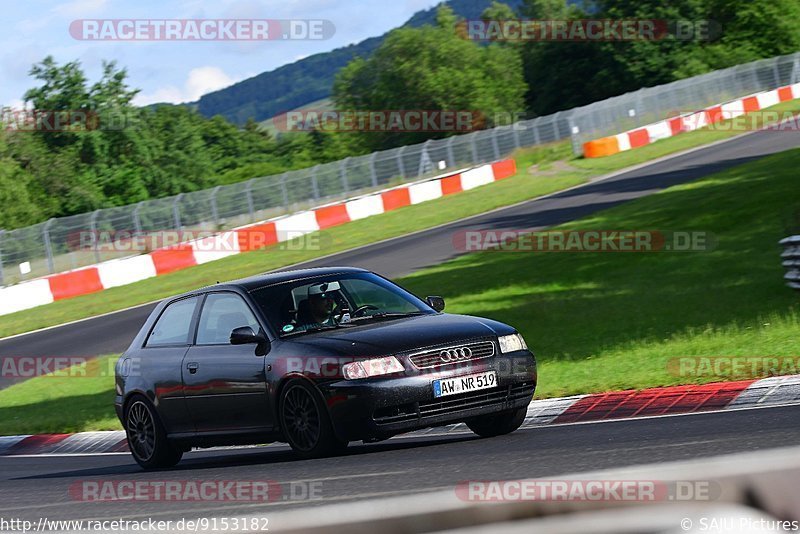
{"points": [[125, 271], [616, 405], [687, 122]]}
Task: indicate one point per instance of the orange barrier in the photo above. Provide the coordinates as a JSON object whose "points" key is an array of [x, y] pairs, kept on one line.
{"points": [[605, 146], [167, 260], [750, 104], [451, 184], [72, 284], [504, 169], [257, 237], [396, 198], [331, 216]]}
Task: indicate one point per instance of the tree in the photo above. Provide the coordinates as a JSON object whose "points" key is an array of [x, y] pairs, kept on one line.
{"points": [[18, 207], [562, 75], [63, 87], [431, 69], [546, 9], [498, 11]]}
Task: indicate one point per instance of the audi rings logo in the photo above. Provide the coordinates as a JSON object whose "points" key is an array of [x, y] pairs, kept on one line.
{"points": [[455, 355]]}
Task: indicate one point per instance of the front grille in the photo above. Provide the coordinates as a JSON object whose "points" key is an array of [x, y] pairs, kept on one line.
{"points": [[462, 401], [457, 354]]}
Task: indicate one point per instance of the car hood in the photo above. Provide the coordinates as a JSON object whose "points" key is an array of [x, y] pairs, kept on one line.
{"points": [[400, 335]]}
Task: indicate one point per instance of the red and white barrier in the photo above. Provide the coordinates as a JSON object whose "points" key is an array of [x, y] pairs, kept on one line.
{"points": [[117, 273], [651, 133]]}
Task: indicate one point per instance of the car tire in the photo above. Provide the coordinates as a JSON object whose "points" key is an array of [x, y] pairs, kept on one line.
{"points": [[306, 425], [489, 426], [147, 439]]}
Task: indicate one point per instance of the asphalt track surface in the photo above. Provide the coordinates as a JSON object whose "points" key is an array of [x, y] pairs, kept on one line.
{"points": [[113, 333], [35, 487]]}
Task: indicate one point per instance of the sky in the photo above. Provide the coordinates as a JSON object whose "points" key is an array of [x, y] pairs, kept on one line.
{"points": [[178, 71]]}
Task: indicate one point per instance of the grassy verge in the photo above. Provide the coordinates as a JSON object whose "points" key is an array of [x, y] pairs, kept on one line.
{"points": [[607, 321], [547, 177], [67, 403], [597, 321]]}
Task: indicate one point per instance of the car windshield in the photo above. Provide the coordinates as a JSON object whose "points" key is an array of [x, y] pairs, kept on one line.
{"points": [[336, 301]]}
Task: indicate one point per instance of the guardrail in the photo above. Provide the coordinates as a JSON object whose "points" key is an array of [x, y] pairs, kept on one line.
{"points": [[791, 260]]}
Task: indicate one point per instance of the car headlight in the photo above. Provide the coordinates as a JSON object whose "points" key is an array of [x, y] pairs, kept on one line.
{"points": [[511, 343], [373, 367]]}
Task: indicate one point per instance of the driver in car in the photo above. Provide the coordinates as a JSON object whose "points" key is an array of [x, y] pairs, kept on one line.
{"points": [[320, 304]]}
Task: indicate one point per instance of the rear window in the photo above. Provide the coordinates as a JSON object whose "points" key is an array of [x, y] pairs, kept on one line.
{"points": [[174, 325]]}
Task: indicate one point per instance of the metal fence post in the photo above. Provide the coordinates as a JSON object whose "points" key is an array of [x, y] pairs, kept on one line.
{"points": [[93, 229], [176, 212], [314, 186], [638, 107], [424, 157], [2, 277], [777, 72], [48, 247], [574, 135], [450, 156], [343, 174], [474, 148], [284, 190], [373, 174], [495, 142], [557, 127], [248, 194], [137, 222], [401, 167], [214, 210]]}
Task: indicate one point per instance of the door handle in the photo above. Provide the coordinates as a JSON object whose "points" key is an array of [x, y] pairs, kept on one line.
{"points": [[192, 367]]}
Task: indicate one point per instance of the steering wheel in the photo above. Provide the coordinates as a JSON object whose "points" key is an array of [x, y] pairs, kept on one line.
{"points": [[361, 309]]}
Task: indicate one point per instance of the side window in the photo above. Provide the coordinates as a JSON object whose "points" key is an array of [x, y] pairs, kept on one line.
{"points": [[222, 313], [174, 325]]}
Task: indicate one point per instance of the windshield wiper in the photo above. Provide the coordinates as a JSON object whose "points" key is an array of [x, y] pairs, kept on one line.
{"points": [[312, 329], [387, 315]]}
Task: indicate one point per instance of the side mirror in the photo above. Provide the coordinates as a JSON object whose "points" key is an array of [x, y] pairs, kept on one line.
{"points": [[246, 336], [437, 303]]}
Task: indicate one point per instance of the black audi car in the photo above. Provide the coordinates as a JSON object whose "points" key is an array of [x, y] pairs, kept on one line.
{"points": [[315, 358]]}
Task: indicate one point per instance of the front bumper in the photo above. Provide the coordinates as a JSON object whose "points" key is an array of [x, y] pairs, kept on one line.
{"points": [[378, 408]]}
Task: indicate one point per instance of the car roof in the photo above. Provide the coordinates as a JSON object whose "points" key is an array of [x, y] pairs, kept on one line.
{"points": [[255, 282]]}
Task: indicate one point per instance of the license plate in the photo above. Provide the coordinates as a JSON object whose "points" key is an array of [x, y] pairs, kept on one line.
{"points": [[464, 384]]}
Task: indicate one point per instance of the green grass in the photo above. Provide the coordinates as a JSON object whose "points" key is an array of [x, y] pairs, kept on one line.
{"points": [[524, 185], [74, 401], [597, 321], [608, 321]]}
